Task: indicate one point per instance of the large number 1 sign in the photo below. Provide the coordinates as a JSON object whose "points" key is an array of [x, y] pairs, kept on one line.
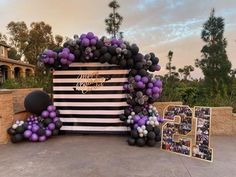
{"points": [[187, 131]]}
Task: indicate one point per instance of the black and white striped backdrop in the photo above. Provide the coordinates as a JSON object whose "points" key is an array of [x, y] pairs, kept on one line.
{"points": [[96, 111]]}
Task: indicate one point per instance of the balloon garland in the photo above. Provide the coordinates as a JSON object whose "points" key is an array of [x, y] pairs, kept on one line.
{"points": [[143, 88], [37, 127]]}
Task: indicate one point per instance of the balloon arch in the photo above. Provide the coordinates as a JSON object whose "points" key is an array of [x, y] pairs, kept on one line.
{"points": [[142, 88]]}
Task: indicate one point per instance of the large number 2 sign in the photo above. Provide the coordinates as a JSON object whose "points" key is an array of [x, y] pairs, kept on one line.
{"points": [[187, 131]]}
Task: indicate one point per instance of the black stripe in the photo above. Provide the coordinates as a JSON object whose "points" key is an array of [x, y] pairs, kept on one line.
{"points": [[90, 100], [92, 124], [89, 116], [104, 84], [100, 75], [76, 132], [75, 91], [91, 108]]}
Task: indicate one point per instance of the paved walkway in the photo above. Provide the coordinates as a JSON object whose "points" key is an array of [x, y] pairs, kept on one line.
{"points": [[110, 156]]}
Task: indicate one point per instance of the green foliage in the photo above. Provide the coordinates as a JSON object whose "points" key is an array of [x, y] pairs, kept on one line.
{"points": [[43, 81], [114, 20]]}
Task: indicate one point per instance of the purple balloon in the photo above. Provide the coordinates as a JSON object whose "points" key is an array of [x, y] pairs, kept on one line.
{"points": [[150, 85], [34, 137], [66, 50], [52, 114], [136, 126], [55, 119], [46, 60], [141, 122], [136, 118], [155, 90], [64, 54], [48, 133], [137, 78], [49, 53], [149, 92], [119, 42], [155, 96], [35, 128], [85, 42], [63, 61], [45, 114], [114, 41], [93, 41], [42, 138], [144, 79], [71, 57], [125, 86], [82, 36], [51, 60], [157, 67], [51, 108], [158, 83], [51, 126], [140, 85], [27, 133], [29, 127], [90, 35]]}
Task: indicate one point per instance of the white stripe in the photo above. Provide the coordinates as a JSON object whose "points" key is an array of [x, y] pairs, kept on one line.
{"points": [[78, 64], [92, 112], [88, 80], [89, 96], [70, 88], [78, 72], [91, 104], [91, 120], [95, 128]]}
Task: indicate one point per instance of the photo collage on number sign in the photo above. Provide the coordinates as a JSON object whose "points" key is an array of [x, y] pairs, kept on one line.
{"points": [[174, 129], [201, 149]]}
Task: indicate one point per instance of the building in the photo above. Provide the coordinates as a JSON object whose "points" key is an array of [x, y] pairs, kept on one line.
{"points": [[10, 69]]}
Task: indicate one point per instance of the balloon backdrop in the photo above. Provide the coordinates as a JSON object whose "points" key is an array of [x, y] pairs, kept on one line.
{"points": [[143, 88], [36, 128]]}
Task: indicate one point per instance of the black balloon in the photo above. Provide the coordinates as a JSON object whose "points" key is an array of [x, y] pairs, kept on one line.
{"points": [[134, 49], [103, 50], [96, 54], [58, 124], [152, 68], [114, 60], [122, 117], [137, 109], [142, 72], [134, 134], [107, 56], [55, 132], [41, 132], [37, 101], [11, 131], [138, 57], [47, 121], [99, 44], [17, 138], [127, 112], [131, 141], [133, 72], [157, 130], [20, 129], [122, 63], [112, 50], [140, 142], [139, 65], [151, 135], [130, 63], [149, 128]]}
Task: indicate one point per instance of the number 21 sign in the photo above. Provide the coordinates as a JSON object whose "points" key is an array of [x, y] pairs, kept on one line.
{"points": [[187, 131]]}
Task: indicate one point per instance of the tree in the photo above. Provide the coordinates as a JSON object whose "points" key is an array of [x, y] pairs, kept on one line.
{"points": [[214, 63], [186, 71], [12, 54], [171, 69], [30, 42], [114, 20]]}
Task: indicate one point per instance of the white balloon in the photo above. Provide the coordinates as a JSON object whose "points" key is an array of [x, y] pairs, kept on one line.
{"points": [[14, 126], [132, 113], [129, 117], [22, 122], [145, 132], [141, 135], [143, 127], [148, 122], [156, 123], [152, 122], [150, 106]]}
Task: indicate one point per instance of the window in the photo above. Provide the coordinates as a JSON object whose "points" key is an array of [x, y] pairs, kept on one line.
{"points": [[2, 51]]}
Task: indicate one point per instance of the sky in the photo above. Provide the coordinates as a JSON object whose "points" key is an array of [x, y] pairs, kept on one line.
{"points": [[154, 25]]}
